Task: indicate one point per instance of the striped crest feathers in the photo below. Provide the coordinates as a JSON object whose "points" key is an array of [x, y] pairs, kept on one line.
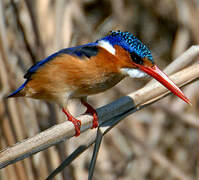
{"points": [[129, 42]]}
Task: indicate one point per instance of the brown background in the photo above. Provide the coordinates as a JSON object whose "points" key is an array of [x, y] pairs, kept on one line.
{"points": [[159, 142]]}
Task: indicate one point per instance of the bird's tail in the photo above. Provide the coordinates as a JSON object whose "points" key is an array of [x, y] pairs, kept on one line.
{"points": [[19, 92]]}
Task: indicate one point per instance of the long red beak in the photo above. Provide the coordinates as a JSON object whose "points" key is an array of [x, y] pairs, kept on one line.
{"points": [[156, 73]]}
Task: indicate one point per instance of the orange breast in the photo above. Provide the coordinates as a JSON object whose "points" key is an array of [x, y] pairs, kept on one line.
{"points": [[79, 77]]}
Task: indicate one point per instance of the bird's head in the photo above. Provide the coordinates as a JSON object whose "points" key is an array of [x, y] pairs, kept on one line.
{"points": [[140, 61]]}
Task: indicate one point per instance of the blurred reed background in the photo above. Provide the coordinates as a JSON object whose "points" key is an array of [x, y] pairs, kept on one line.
{"points": [[159, 142]]}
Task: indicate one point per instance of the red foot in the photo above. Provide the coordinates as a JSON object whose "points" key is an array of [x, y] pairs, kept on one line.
{"points": [[76, 122], [91, 110]]}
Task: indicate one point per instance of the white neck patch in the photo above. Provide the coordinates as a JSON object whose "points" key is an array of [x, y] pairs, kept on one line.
{"points": [[133, 73], [106, 45]]}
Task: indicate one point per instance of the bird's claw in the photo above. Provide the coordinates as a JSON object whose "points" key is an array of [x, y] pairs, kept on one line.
{"points": [[76, 122], [92, 111]]}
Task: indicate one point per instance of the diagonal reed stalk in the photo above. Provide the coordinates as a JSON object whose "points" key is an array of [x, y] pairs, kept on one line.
{"points": [[118, 109]]}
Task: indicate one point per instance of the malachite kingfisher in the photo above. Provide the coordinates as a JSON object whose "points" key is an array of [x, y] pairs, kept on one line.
{"points": [[92, 68]]}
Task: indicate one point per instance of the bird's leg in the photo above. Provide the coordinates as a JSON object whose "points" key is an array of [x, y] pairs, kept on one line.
{"points": [[76, 122], [91, 110]]}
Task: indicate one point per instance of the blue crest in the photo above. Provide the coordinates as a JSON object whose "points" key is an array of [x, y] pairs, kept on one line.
{"points": [[129, 42]]}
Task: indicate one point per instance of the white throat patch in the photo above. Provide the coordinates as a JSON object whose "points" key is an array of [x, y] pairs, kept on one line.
{"points": [[106, 45], [133, 73]]}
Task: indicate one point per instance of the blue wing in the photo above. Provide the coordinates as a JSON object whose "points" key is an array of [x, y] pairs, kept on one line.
{"points": [[86, 50]]}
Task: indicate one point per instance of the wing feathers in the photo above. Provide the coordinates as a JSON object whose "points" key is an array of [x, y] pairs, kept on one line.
{"points": [[87, 50]]}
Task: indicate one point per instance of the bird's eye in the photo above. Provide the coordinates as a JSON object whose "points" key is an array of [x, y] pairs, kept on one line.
{"points": [[136, 58]]}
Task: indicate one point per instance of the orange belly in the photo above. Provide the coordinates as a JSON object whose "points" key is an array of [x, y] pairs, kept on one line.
{"points": [[98, 87], [69, 74]]}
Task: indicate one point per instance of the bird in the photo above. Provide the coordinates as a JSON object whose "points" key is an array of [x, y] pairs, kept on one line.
{"points": [[77, 72]]}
